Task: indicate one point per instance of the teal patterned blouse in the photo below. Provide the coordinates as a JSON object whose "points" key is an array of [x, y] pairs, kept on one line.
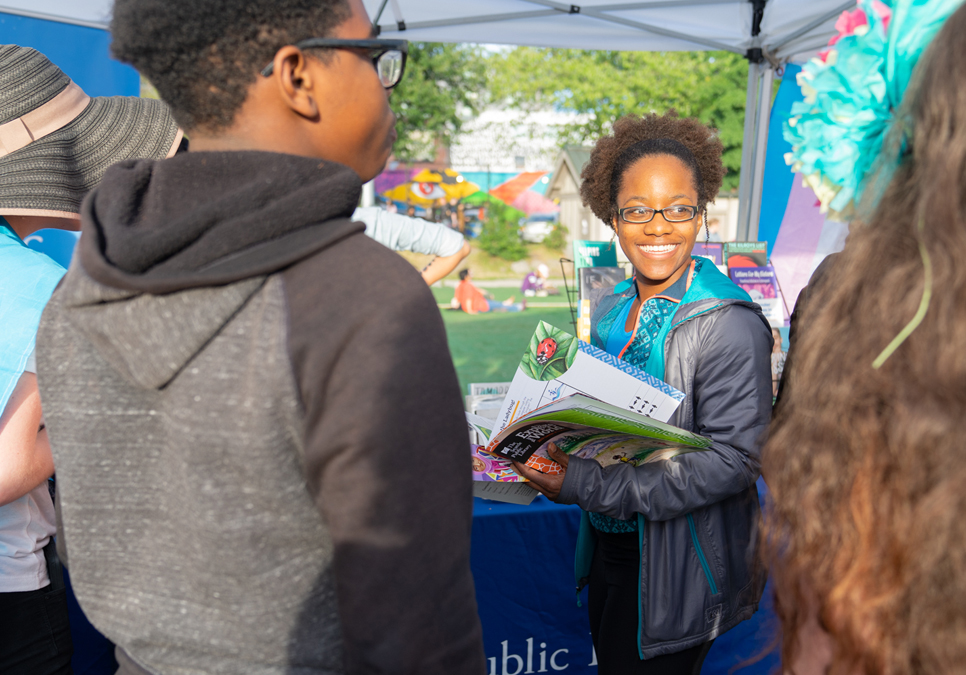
{"points": [[655, 311]]}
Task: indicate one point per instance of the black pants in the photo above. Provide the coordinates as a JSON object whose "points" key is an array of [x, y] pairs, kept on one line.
{"points": [[613, 608], [34, 629]]}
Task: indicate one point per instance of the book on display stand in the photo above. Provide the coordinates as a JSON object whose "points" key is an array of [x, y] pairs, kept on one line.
{"points": [[749, 268], [591, 279]]}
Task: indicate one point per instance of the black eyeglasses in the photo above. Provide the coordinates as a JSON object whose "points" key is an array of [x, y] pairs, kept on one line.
{"points": [[388, 56], [672, 214]]}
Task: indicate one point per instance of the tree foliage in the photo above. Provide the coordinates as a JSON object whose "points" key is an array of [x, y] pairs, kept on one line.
{"points": [[501, 233], [557, 239], [603, 86], [443, 85]]}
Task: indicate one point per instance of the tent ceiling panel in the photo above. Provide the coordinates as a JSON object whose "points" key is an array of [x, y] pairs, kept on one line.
{"points": [[556, 31], [789, 28], [798, 28], [94, 13]]}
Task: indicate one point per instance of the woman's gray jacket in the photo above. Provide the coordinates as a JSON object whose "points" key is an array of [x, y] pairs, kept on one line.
{"points": [[698, 513]]}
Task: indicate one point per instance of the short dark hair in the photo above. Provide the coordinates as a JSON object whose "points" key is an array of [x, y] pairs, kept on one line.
{"points": [[463, 274], [685, 138], [203, 55]]}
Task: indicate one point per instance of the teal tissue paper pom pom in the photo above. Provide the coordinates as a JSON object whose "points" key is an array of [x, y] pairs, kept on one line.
{"points": [[851, 93]]}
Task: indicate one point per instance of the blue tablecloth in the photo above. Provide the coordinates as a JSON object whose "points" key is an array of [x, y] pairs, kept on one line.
{"points": [[522, 561], [523, 564]]}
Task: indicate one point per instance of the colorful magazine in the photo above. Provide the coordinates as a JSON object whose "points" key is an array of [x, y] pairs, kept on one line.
{"points": [[494, 477], [745, 254], [589, 402], [594, 254], [761, 284], [713, 251], [581, 426]]}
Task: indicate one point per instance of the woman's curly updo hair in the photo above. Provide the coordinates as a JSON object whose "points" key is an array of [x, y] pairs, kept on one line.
{"points": [[635, 137]]}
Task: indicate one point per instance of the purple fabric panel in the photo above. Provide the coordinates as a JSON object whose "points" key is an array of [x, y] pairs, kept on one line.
{"points": [[793, 256]]}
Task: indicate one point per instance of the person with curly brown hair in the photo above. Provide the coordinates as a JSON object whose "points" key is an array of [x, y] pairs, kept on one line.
{"points": [[865, 461], [668, 548]]}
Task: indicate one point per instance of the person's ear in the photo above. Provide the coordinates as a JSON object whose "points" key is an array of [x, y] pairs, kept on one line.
{"points": [[296, 82]]}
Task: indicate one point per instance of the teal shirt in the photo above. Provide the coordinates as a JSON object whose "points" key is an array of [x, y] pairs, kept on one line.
{"points": [[635, 347], [27, 280]]}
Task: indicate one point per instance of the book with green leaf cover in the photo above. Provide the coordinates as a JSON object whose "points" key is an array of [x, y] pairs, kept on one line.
{"points": [[556, 364]]}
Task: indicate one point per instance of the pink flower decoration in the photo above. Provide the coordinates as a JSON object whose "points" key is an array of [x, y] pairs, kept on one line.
{"points": [[884, 12], [847, 24], [849, 21]]}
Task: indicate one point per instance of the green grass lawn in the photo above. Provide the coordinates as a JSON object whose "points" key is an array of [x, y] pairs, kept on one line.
{"points": [[444, 295], [488, 347]]}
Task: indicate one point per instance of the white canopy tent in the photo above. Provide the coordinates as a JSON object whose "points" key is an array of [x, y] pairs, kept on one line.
{"points": [[769, 32]]}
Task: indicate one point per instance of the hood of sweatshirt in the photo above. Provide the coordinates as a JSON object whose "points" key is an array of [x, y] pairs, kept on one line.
{"points": [[171, 250]]}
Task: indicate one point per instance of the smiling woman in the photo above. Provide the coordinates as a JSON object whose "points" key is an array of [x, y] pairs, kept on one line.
{"points": [[657, 219], [668, 548], [651, 180]]}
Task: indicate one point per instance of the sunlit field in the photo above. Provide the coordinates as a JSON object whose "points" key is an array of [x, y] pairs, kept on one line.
{"points": [[488, 347]]}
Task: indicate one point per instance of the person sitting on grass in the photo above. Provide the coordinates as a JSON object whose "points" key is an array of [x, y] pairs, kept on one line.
{"points": [[474, 300], [536, 283]]}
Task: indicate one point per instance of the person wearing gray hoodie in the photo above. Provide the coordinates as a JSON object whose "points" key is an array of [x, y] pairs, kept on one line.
{"points": [[261, 454]]}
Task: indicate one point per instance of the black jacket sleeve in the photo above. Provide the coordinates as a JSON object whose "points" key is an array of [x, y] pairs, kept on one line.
{"points": [[387, 458]]}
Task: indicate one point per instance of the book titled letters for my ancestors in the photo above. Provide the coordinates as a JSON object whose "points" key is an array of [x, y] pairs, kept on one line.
{"points": [[588, 403]]}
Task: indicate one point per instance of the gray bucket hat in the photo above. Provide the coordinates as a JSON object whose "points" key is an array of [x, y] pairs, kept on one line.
{"points": [[56, 142]]}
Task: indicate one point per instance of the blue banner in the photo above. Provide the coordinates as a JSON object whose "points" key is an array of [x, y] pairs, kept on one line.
{"points": [[81, 52]]}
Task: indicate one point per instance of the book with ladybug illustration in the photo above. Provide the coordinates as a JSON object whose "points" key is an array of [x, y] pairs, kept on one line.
{"points": [[556, 364]]}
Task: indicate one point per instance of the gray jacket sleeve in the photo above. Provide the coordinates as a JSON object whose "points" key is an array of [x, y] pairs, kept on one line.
{"points": [[383, 421], [723, 358]]}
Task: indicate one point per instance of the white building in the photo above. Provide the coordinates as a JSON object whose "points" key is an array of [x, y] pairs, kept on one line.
{"points": [[509, 141]]}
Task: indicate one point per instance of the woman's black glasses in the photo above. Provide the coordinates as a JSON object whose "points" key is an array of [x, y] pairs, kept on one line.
{"points": [[672, 214], [388, 56]]}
